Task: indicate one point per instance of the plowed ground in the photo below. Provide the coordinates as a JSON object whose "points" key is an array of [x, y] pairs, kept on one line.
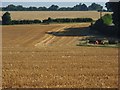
{"points": [[47, 56]]}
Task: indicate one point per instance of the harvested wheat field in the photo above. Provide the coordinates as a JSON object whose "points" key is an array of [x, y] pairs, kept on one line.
{"points": [[46, 56], [30, 15]]}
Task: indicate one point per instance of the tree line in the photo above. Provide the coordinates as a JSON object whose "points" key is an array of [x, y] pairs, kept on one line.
{"points": [[67, 20], [6, 20], [78, 7]]}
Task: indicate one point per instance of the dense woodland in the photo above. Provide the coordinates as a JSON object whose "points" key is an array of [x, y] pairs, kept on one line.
{"points": [[79, 7]]}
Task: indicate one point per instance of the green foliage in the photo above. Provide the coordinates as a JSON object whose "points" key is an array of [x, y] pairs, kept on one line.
{"points": [[95, 6], [102, 26], [67, 20], [115, 8], [50, 20], [107, 19], [108, 6], [53, 8], [80, 7], [6, 19], [25, 22]]}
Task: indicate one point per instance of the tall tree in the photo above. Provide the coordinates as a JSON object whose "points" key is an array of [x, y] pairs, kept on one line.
{"points": [[20, 7], [6, 19], [84, 7], [80, 7], [115, 7], [42, 9], [95, 6], [32, 8], [10, 7], [53, 7]]}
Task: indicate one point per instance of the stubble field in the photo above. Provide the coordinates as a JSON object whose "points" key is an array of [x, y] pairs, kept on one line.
{"points": [[47, 56], [30, 15]]}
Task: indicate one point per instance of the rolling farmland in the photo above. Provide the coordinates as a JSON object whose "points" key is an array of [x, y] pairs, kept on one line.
{"points": [[47, 56]]}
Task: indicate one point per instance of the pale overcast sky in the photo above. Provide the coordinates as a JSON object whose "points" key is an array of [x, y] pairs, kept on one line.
{"points": [[55, 0], [47, 3]]}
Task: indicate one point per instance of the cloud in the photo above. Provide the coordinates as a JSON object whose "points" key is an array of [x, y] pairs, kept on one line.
{"points": [[55, 1]]}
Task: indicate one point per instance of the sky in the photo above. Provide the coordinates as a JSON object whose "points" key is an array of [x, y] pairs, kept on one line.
{"points": [[48, 4], [55, 0]]}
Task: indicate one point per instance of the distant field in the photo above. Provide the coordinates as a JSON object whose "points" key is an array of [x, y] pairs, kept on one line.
{"points": [[54, 14], [46, 56]]}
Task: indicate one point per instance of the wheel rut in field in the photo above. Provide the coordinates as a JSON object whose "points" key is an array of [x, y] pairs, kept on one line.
{"points": [[52, 40]]}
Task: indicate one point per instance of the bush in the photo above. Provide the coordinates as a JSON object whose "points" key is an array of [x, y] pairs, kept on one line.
{"points": [[6, 19], [102, 26], [37, 21], [25, 21], [67, 20], [113, 42], [98, 25], [107, 19], [102, 23]]}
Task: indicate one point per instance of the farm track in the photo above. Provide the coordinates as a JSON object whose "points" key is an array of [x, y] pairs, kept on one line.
{"points": [[32, 57], [59, 41], [49, 39]]}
